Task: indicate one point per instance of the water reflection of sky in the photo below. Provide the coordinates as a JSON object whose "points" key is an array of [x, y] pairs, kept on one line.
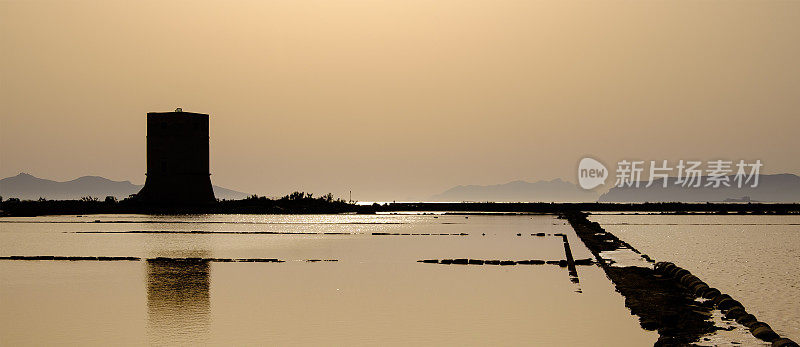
{"points": [[375, 293]]}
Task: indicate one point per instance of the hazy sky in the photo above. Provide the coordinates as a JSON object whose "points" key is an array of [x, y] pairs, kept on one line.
{"points": [[398, 99]]}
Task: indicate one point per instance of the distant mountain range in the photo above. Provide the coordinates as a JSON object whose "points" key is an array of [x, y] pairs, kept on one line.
{"points": [[771, 188], [520, 191], [25, 186]]}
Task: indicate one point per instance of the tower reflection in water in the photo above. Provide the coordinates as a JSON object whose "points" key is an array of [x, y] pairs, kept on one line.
{"points": [[178, 301]]}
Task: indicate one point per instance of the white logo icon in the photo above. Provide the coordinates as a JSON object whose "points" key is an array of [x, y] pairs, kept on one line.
{"points": [[591, 173]]}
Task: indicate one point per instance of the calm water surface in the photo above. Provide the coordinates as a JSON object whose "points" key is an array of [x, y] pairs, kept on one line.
{"points": [[375, 294], [755, 259]]}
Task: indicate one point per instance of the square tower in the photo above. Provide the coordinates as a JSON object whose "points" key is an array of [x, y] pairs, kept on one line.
{"points": [[177, 159]]}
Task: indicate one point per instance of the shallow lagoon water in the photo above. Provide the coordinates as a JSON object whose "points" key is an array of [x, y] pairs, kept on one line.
{"points": [[755, 259], [376, 293]]}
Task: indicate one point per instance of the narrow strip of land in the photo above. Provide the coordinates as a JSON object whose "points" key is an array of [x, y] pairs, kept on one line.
{"points": [[660, 303], [156, 259], [257, 206]]}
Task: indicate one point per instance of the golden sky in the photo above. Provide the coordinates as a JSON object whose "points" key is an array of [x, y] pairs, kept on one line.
{"points": [[398, 99]]}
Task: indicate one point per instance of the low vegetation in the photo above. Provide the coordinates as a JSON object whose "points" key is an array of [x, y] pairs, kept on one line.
{"points": [[294, 203]]}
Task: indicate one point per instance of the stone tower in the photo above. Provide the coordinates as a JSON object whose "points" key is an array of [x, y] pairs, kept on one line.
{"points": [[177, 159]]}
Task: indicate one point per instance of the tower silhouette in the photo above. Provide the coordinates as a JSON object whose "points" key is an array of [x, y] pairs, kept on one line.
{"points": [[177, 159]]}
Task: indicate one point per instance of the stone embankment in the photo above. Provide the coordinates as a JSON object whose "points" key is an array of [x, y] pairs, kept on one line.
{"points": [[730, 308], [667, 298]]}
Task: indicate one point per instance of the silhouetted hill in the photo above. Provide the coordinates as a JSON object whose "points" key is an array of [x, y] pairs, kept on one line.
{"points": [[225, 193], [25, 186], [519, 191], [771, 188]]}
